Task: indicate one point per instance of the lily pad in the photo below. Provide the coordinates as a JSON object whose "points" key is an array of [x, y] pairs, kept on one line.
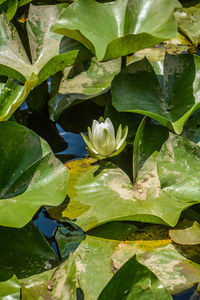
{"points": [[178, 168], [9, 285], [9, 8], [93, 79], [189, 22], [127, 26], [187, 236], [96, 256], [162, 97], [149, 138], [134, 281], [109, 187], [25, 251], [30, 175], [12, 95], [44, 46]]}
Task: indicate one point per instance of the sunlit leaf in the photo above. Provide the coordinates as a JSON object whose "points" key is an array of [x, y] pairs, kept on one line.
{"points": [[44, 46], [187, 236], [178, 168], [110, 187], [9, 285], [120, 27], [13, 94], [91, 79], [9, 8]]}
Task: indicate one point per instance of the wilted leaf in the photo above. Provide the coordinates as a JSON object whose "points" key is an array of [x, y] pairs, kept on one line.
{"points": [[120, 27], [30, 175], [188, 20]]}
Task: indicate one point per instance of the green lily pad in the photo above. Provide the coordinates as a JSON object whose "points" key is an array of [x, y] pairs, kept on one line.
{"points": [[30, 175], [25, 251], [191, 130], [187, 236], [112, 189], [162, 97], [12, 95], [96, 256], [178, 168], [9, 8], [124, 27], [93, 79], [149, 138], [44, 46], [9, 285], [134, 281]]}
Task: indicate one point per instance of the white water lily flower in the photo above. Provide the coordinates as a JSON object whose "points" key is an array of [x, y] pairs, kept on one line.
{"points": [[101, 141]]}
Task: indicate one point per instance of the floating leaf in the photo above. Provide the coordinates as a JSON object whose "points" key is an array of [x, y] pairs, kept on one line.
{"points": [[187, 236], [188, 20], [178, 168], [134, 281], [9, 8], [93, 79], [12, 95], [149, 138], [126, 26], [30, 175], [37, 286], [25, 251], [164, 98], [110, 187], [82, 271], [9, 285], [44, 46]]}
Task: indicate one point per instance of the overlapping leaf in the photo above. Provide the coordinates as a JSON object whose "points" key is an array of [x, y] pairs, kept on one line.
{"points": [[9, 285], [30, 175], [109, 187], [189, 22], [25, 251], [186, 236], [162, 97], [44, 46], [12, 95], [118, 28], [92, 79], [178, 168], [97, 259]]}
